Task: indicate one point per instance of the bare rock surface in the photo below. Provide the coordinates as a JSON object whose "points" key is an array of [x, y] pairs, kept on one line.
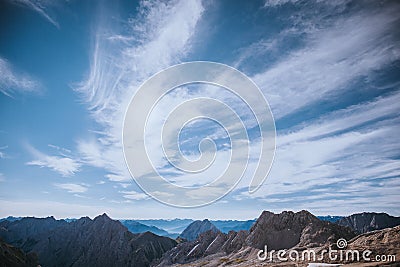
{"points": [[369, 221]]}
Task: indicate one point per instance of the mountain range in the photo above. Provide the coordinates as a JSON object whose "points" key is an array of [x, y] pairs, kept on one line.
{"points": [[102, 241]]}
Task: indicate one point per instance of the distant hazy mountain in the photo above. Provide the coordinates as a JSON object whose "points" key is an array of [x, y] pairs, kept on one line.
{"points": [[171, 226], [277, 231], [11, 256], [137, 227], [369, 221], [196, 228], [176, 226], [85, 242], [233, 225], [330, 218]]}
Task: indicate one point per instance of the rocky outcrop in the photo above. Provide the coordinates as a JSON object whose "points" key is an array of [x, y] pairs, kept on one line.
{"points": [[278, 231], [98, 242], [289, 229], [208, 243], [11, 256], [369, 221], [196, 228]]}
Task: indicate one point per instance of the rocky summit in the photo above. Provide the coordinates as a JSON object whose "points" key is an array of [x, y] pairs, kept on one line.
{"points": [[277, 231], [86, 242], [196, 228]]}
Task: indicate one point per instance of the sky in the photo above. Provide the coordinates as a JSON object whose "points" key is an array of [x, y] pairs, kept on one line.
{"points": [[330, 71]]}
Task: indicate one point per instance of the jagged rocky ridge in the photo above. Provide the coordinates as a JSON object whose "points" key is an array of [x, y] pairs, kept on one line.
{"points": [[196, 228], [85, 242], [11, 256], [369, 221], [277, 231]]}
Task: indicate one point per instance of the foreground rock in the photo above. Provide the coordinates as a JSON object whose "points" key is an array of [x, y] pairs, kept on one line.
{"points": [[383, 242], [11, 256], [277, 231]]}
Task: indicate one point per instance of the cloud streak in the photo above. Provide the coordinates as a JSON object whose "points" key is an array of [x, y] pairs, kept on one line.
{"points": [[39, 7], [61, 164], [12, 81], [72, 188], [164, 31]]}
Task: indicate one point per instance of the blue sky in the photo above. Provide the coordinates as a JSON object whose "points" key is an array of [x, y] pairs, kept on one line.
{"points": [[329, 70]]}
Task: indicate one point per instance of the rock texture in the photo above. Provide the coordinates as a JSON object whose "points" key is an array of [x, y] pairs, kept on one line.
{"points": [[381, 242], [86, 242], [11, 256], [277, 231], [369, 221], [196, 228], [289, 229]]}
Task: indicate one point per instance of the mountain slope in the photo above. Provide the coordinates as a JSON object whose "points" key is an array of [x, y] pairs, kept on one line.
{"points": [[11, 256], [196, 228], [289, 229], [277, 231], [369, 221], [98, 242]]}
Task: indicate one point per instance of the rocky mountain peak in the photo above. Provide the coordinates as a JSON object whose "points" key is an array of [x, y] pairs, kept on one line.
{"points": [[288, 229], [196, 228], [369, 221]]}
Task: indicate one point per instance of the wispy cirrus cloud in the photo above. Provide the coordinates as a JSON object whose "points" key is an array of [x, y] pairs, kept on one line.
{"points": [[133, 195], [329, 159], [332, 57], [120, 63], [347, 155], [64, 165], [39, 6], [13, 81], [72, 188]]}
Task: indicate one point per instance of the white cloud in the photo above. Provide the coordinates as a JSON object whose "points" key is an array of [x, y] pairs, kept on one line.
{"points": [[12, 81], [163, 32], [63, 165], [40, 7], [332, 57], [133, 195], [328, 160], [72, 188]]}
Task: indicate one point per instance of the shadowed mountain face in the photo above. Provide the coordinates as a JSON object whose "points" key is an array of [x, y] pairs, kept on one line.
{"points": [[11, 256], [86, 242], [196, 228], [277, 231], [289, 229], [369, 221]]}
